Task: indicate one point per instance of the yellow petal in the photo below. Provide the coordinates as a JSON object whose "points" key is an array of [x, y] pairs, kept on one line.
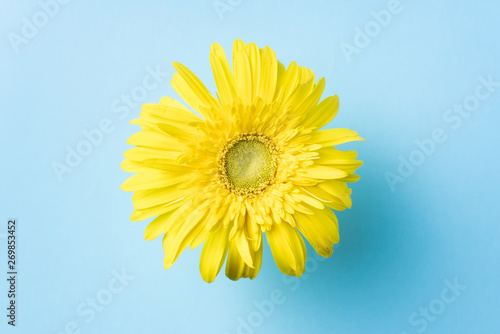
{"points": [[214, 253], [243, 77], [154, 211], [152, 180], [153, 165], [170, 102], [243, 246], [279, 80], [347, 166], [330, 221], [146, 153], [312, 99], [332, 137], [251, 272], [336, 201], [289, 83], [170, 109], [235, 265], [222, 74], [350, 178], [268, 75], [323, 113], [306, 75], [182, 233], [321, 233], [177, 132], [288, 248], [337, 189], [306, 198], [331, 155], [134, 167], [237, 46], [253, 54], [157, 226], [148, 198], [155, 139], [303, 89], [192, 90], [322, 172]]}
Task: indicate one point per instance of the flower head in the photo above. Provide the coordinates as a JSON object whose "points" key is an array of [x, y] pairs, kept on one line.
{"points": [[254, 163]]}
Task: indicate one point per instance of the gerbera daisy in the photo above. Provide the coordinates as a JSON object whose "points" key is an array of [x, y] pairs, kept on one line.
{"points": [[255, 162]]}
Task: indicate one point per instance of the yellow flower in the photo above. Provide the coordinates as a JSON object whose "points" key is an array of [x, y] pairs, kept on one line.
{"points": [[255, 163]]}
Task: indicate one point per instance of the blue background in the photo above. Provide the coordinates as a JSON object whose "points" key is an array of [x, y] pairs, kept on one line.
{"points": [[397, 247]]}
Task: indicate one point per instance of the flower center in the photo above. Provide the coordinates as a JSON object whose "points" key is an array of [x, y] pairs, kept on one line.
{"points": [[247, 164]]}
